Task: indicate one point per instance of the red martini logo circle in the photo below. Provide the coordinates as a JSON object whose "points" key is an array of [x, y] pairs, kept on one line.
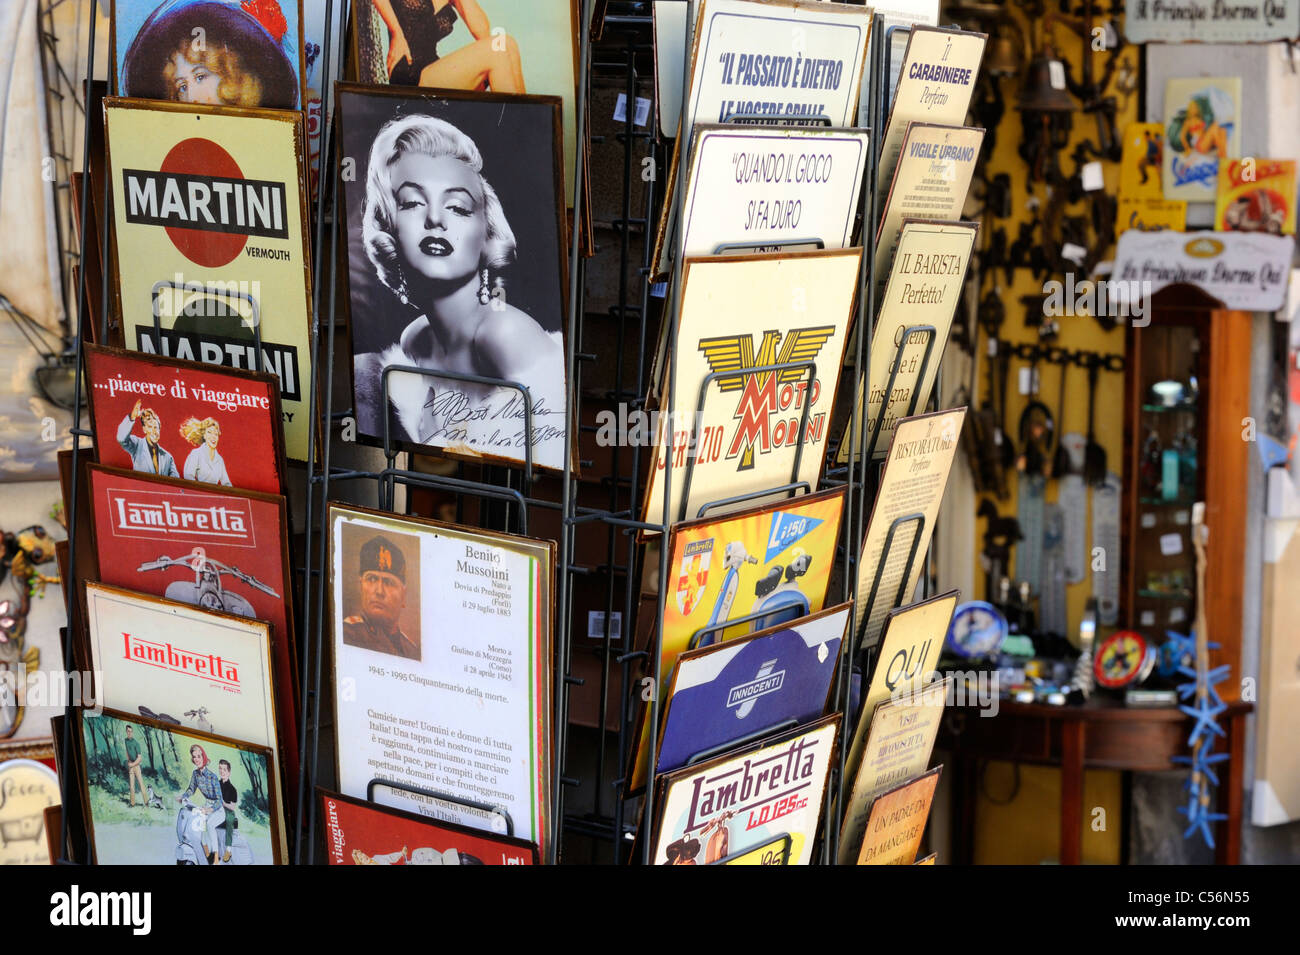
{"points": [[203, 157]]}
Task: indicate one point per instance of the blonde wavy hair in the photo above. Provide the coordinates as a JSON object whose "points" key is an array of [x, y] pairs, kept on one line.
{"points": [[433, 137], [238, 87], [192, 429]]}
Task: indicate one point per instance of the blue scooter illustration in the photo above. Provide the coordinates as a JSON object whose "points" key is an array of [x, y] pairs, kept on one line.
{"points": [[734, 557], [780, 594], [776, 590]]}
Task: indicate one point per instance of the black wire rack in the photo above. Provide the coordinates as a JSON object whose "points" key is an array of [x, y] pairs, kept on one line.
{"points": [[594, 516]]}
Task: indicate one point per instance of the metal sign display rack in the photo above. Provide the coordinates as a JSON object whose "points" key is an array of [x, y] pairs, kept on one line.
{"points": [[626, 44]]}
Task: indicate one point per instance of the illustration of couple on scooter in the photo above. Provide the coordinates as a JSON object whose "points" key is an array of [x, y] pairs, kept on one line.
{"points": [[208, 835]]}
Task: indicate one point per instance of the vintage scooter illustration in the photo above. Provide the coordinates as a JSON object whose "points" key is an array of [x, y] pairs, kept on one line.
{"points": [[189, 839], [776, 590], [206, 591]]}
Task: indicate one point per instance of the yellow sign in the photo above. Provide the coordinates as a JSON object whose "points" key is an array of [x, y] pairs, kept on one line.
{"points": [[1139, 165], [1151, 215], [898, 748], [774, 852], [741, 313], [897, 822], [908, 652], [771, 565], [1256, 195], [210, 221]]}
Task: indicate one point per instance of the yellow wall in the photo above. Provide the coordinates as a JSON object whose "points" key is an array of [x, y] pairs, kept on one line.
{"points": [[1077, 332], [1027, 831]]}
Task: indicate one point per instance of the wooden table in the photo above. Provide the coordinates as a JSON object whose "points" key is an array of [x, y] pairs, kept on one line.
{"points": [[1101, 734]]}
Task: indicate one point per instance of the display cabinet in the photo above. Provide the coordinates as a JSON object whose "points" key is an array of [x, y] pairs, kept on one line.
{"points": [[1186, 439]]}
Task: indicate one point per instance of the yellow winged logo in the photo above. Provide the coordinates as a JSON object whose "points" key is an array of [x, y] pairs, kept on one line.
{"points": [[737, 352], [802, 344], [733, 354], [758, 401]]}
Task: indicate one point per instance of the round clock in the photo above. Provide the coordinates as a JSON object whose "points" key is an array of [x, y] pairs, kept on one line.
{"points": [[1123, 659], [977, 630]]}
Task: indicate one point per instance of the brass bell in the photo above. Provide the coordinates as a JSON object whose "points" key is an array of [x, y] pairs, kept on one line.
{"points": [[1005, 52], [1003, 57], [1040, 94]]}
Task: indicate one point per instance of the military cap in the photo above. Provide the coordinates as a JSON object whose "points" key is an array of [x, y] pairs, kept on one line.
{"points": [[379, 554]]}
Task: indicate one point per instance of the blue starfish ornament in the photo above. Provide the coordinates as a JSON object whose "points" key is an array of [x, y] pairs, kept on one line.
{"points": [[1202, 822], [1202, 770], [1205, 712], [1190, 657]]}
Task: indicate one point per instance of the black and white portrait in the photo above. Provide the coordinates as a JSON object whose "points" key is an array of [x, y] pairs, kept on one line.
{"points": [[456, 267]]}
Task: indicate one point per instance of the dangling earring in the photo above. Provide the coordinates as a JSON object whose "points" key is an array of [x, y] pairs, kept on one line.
{"points": [[484, 293], [403, 293]]}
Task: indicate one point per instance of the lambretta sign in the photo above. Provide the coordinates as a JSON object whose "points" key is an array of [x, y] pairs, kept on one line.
{"points": [[175, 515], [1246, 271], [166, 656], [1211, 21]]}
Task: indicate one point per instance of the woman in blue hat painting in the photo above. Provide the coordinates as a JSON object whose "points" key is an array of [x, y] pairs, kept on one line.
{"points": [[215, 52]]}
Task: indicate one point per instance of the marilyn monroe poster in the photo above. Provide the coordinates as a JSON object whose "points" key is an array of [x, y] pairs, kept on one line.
{"points": [[456, 267]]}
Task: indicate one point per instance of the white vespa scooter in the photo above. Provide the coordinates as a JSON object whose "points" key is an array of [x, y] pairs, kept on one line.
{"points": [[189, 839]]}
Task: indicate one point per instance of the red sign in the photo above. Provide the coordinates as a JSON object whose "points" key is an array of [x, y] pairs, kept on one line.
{"points": [[219, 549], [194, 421], [362, 833], [214, 247]]}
